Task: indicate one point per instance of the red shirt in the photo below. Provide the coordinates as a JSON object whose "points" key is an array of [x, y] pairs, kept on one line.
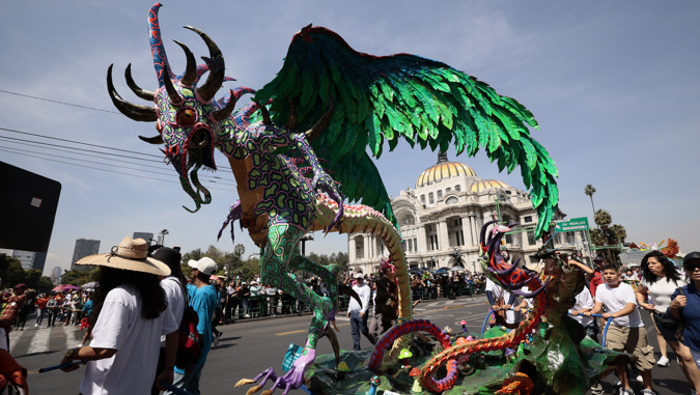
{"points": [[596, 281]]}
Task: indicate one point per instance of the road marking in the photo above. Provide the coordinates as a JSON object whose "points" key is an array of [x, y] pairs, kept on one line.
{"points": [[457, 306], [40, 341]]}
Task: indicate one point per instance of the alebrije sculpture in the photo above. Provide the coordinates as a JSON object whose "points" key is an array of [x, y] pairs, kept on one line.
{"points": [[347, 102]]}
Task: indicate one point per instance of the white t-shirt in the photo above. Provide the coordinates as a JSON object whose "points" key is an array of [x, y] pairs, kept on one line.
{"points": [[660, 292], [584, 300], [122, 327], [364, 292], [616, 299], [175, 296]]}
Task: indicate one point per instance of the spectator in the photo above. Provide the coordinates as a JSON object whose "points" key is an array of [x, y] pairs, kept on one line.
{"points": [[10, 314], [659, 281], [584, 303], [52, 307], [358, 312], [127, 322], [626, 332], [254, 298], [175, 295], [41, 302], [685, 305], [501, 302], [203, 299], [230, 300]]}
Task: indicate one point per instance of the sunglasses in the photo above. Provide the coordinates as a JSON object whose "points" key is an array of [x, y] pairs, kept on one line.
{"points": [[692, 268]]}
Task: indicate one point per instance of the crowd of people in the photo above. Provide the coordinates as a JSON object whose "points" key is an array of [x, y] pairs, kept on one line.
{"points": [[143, 296]]}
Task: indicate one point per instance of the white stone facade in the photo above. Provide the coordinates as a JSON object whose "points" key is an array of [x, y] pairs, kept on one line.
{"points": [[445, 212]]}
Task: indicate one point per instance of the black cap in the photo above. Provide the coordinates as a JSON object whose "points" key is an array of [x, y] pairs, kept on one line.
{"points": [[169, 256], [693, 256]]}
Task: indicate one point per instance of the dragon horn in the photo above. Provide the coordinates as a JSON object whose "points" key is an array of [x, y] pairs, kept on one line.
{"points": [[152, 140], [482, 236], [144, 94], [133, 111], [328, 332], [190, 75], [216, 68], [321, 124], [265, 115], [222, 114], [160, 60]]}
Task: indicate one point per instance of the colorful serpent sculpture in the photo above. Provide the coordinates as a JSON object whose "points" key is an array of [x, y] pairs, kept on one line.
{"points": [[351, 104], [511, 277]]}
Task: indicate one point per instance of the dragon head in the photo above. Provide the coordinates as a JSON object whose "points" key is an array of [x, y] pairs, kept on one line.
{"points": [[187, 116]]}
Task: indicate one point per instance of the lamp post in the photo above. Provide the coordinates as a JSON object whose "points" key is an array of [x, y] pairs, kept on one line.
{"points": [[501, 196], [162, 236]]}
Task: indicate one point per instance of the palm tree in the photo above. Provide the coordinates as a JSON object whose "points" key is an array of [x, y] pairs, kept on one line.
{"points": [[602, 218], [589, 190]]}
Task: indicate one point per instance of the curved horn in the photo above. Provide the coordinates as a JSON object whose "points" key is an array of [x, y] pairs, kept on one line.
{"points": [[265, 115], [217, 68], [152, 140], [190, 75], [174, 96], [133, 111], [321, 124], [160, 60], [144, 94], [222, 114]]}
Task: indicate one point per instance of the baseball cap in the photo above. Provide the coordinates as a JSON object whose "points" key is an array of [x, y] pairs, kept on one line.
{"points": [[359, 275], [205, 265], [689, 259]]}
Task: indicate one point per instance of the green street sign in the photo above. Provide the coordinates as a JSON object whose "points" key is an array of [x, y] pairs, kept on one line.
{"points": [[572, 225]]}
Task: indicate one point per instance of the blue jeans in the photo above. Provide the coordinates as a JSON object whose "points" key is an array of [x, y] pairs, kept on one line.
{"points": [[39, 316], [358, 325]]}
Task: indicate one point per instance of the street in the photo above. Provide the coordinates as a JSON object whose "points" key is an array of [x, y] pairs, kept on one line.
{"points": [[247, 347]]}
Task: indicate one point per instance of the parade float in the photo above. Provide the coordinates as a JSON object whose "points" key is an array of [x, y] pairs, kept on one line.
{"points": [[329, 110]]}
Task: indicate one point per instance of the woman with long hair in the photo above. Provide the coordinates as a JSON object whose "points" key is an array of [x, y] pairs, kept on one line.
{"points": [[660, 279], [126, 321]]}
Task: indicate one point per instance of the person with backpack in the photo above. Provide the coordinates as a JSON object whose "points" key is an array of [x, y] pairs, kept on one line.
{"points": [[175, 295], [203, 299]]}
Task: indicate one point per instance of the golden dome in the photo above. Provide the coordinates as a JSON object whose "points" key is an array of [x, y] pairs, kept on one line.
{"points": [[444, 171], [483, 185]]}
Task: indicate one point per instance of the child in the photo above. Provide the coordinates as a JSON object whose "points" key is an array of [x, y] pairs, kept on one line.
{"points": [[626, 332]]}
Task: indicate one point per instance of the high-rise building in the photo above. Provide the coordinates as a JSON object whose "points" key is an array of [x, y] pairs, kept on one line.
{"points": [[26, 258], [56, 275], [83, 248]]}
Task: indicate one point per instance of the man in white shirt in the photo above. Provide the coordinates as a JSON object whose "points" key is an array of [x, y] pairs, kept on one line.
{"points": [[358, 313]]}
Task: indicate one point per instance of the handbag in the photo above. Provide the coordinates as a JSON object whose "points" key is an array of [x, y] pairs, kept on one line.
{"points": [[665, 320]]}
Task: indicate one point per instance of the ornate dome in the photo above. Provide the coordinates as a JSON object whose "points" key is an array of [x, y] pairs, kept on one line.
{"points": [[443, 170], [483, 185]]}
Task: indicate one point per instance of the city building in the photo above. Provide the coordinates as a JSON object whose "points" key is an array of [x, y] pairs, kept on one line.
{"points": [[143, 235], [83, 248], [440, 221], [26, 258], [56, 275]]}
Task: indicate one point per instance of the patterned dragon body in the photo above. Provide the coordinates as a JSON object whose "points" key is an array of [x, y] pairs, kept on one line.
{"points": [[350, 105], [510, 276]]}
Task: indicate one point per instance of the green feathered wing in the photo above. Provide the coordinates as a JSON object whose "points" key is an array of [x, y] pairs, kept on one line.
{"points": [[382, 99]]}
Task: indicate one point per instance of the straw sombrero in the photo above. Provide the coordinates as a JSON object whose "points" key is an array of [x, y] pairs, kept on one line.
{"points": [[128, 255]]}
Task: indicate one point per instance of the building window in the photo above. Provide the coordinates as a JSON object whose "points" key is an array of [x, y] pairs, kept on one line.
{"points": [[433, 242], [448, 190], [458, 222], [422, 199], [531, 238], [509, 238], [415, 244], [457, 188], [459, 238], [431, 198], [527, 219], [451, 200], [439, 194], [570, 237]]}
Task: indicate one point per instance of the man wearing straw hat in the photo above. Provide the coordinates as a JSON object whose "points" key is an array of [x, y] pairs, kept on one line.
{"points": [[127, 322]]}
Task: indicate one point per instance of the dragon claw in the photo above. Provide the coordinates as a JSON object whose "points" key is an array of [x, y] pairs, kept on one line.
{"points": [[244, 382], [254, 389]]}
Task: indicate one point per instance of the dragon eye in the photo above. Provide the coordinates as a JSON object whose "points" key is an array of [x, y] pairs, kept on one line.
{"points": [[186, 117]]}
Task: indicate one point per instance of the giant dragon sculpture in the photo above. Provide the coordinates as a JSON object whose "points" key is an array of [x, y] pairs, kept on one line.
{"points": [[347, 102]]}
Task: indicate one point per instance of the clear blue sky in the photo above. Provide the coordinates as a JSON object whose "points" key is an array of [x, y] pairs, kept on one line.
{"points": [[614, 86]]}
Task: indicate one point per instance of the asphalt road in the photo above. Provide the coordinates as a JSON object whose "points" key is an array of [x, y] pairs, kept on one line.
{"points": [[248, 347]]}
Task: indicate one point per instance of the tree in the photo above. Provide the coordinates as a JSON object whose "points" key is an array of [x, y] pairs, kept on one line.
{"points": [[619, 232], [78, 278], [602, 218], [222, 258], [589, 190]]}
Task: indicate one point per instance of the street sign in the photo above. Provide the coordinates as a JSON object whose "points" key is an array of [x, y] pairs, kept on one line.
{"points": [[572, 225]]}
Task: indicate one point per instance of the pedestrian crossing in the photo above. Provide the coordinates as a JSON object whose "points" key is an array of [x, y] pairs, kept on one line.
{"points": [[44, 340]]}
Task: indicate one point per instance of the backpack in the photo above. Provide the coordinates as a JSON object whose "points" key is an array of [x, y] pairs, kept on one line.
{"points": [[189, 347]]}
